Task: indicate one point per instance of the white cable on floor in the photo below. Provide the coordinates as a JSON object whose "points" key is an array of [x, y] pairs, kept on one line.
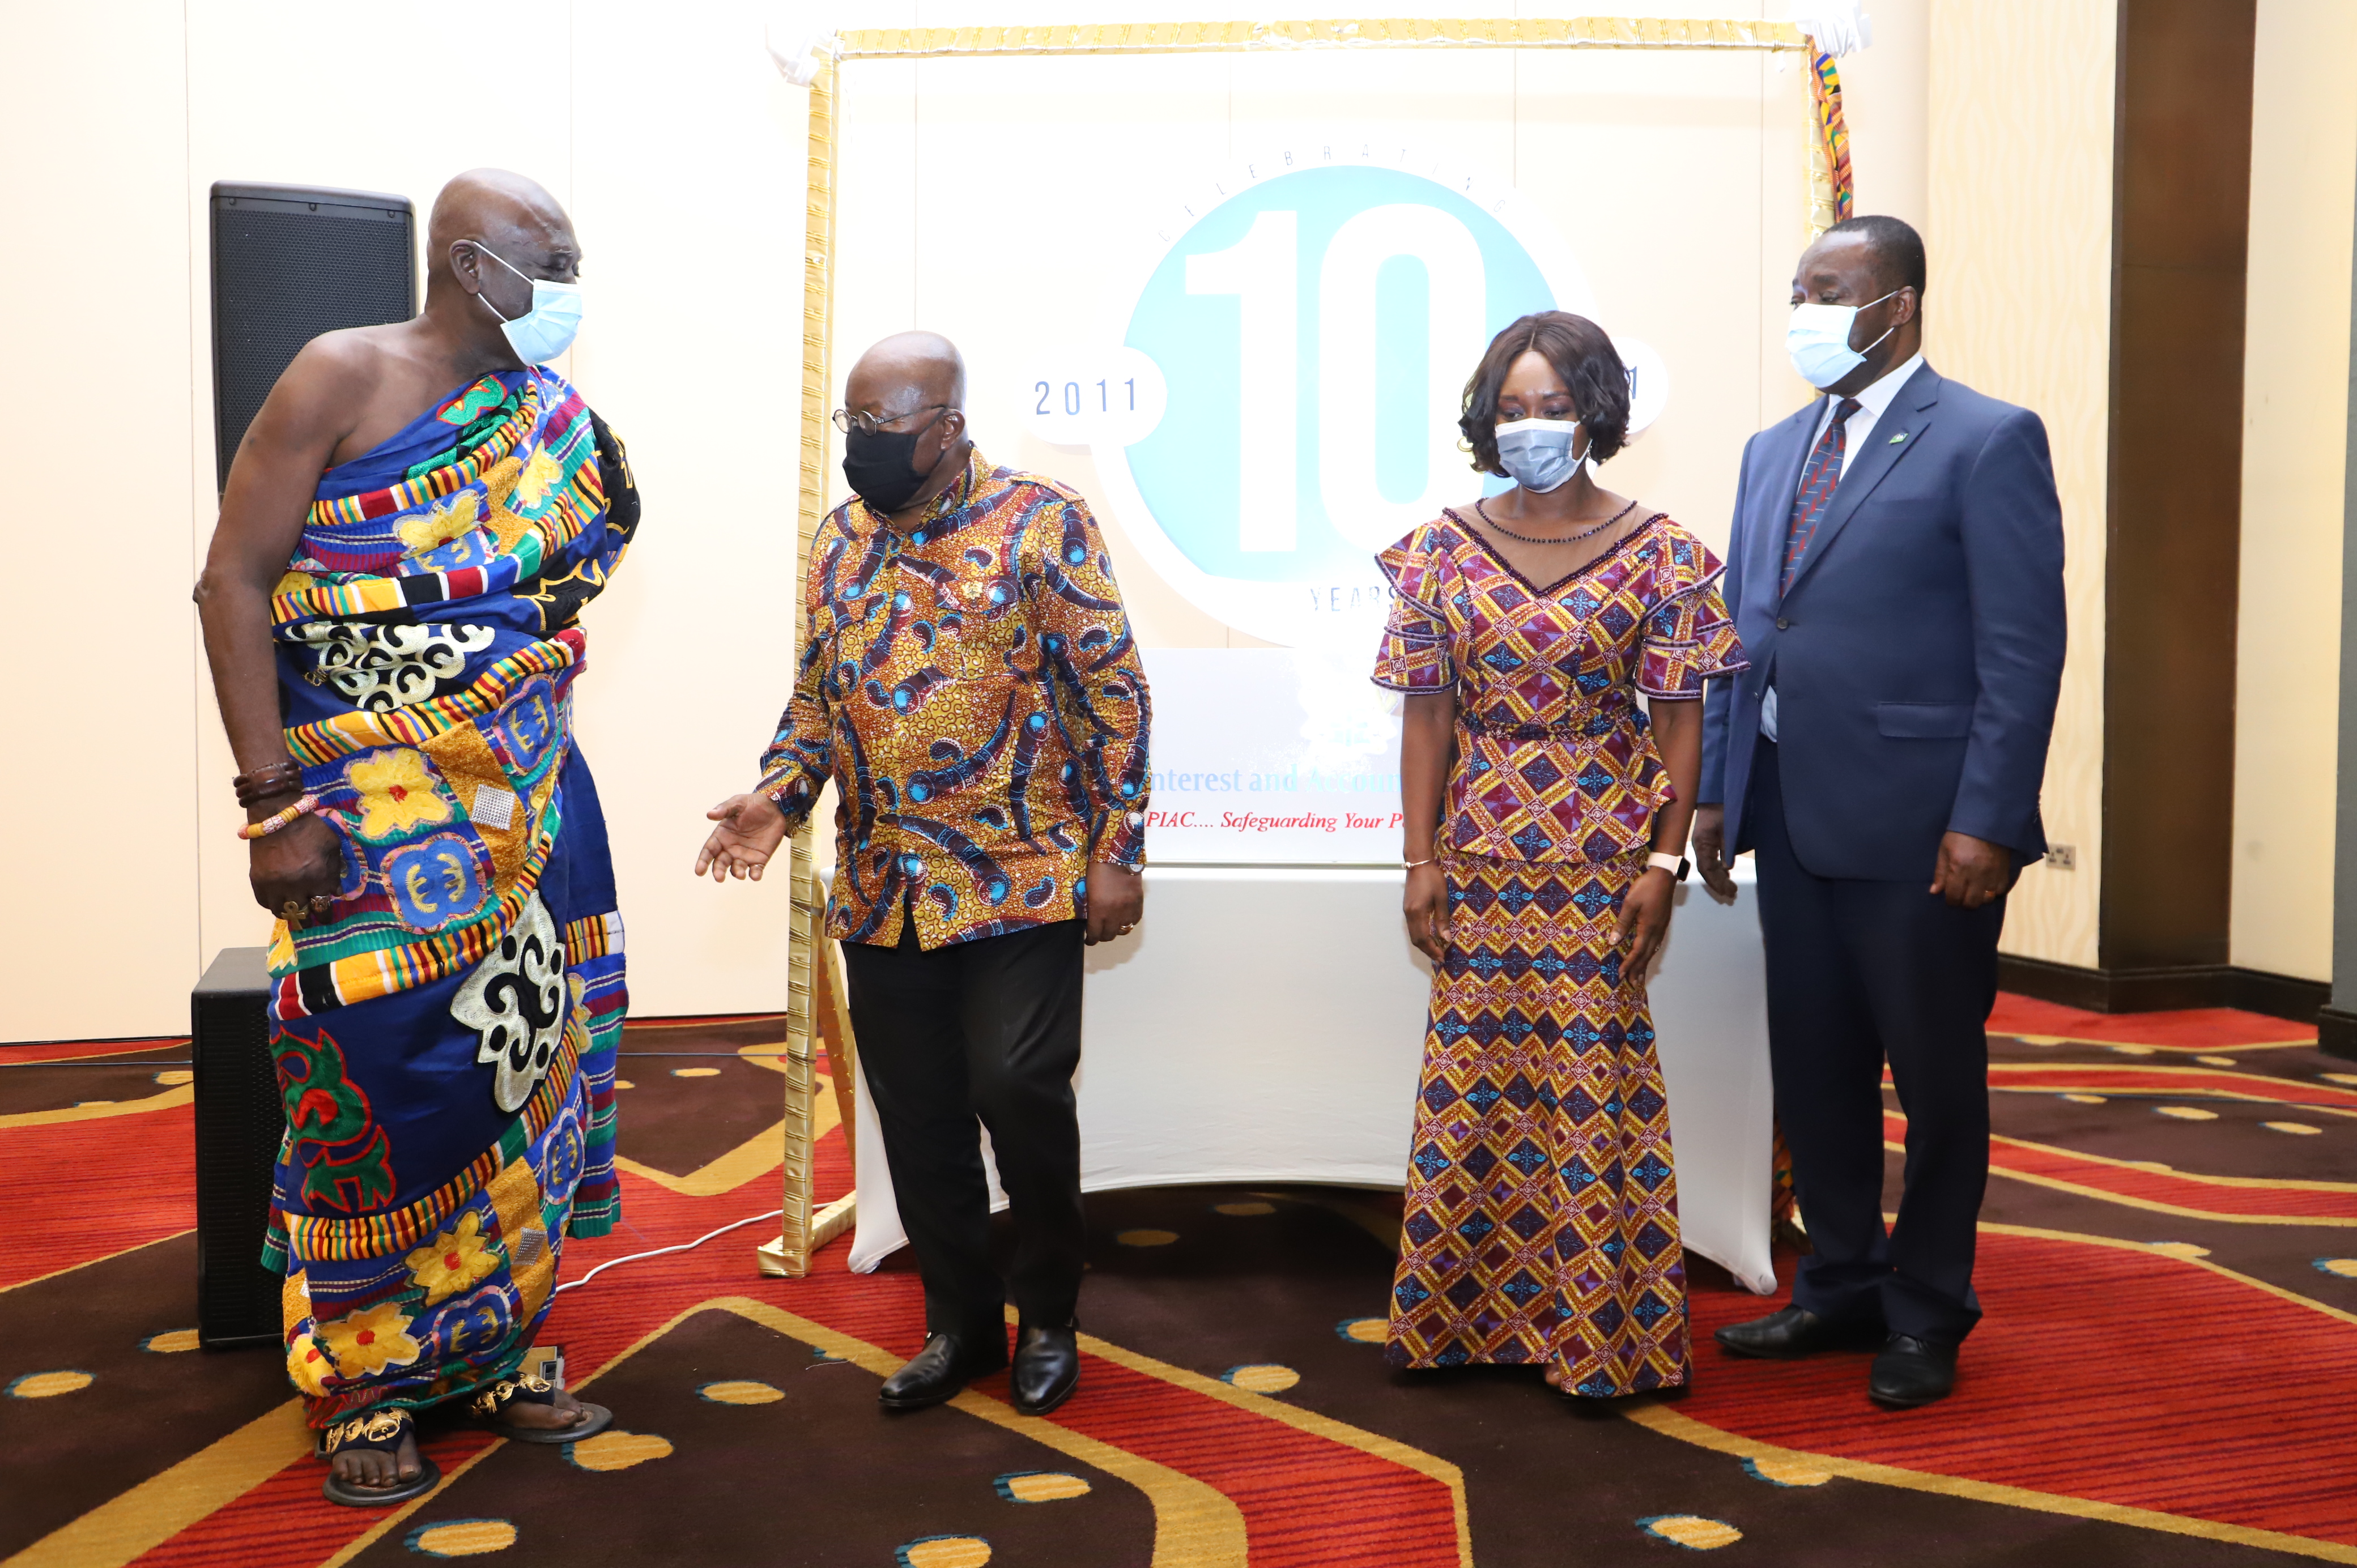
{"points": [[658, 1251]]}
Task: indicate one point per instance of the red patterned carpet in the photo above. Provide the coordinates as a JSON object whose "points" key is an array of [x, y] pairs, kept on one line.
{"points": [[2169, 1264]]}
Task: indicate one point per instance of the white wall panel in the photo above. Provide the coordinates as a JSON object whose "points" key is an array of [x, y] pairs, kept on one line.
{"points": [[688, 170], [2295, 425], [96, 635]]}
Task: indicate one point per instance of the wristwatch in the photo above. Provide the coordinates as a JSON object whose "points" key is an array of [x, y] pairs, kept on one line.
{"points": [[1675, 865]]}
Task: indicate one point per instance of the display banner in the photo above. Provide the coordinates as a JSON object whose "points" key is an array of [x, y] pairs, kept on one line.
{"points": [[1275, 397], [1272, 755]]}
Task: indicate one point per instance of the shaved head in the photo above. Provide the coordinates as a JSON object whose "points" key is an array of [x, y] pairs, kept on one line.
{"points": [[503, 209], [907, 370]]}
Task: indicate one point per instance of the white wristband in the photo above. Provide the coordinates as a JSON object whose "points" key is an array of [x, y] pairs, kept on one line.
{"points": [[1674, 865]]}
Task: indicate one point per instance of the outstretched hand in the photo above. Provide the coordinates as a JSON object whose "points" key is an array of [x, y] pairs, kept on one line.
{"points": [[751, 828]]}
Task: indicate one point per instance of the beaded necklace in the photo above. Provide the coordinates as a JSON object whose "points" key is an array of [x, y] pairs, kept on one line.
{"points": [[1563, 539]]}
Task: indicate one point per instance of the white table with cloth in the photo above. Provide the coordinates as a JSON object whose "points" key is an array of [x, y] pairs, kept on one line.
{"points": [[1264, 1024]]}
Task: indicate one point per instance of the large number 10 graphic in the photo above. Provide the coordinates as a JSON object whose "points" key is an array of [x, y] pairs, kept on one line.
{"points": [[1263, 270]]}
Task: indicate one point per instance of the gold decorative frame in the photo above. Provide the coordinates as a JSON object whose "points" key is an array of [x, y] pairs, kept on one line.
{"points": [[806, 1227]]}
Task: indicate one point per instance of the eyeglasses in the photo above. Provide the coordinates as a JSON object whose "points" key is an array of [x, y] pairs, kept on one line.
{"points": [[847, 421]]}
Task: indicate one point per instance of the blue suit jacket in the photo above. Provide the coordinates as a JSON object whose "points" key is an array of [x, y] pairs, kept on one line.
{"points": [[1917, 658]]}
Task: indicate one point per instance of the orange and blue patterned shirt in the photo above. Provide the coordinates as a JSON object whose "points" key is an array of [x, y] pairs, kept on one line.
{"points": [[972, 686], [1554, 760]]}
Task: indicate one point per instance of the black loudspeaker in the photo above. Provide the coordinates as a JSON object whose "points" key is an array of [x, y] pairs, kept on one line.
{"points": [[240, 1122], [291, 261]]}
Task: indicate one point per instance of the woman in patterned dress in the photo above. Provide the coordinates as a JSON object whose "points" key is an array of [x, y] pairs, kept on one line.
{"points": [[1542, 1207]]}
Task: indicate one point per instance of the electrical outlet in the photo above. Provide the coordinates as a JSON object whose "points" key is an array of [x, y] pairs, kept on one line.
{"points": [[2062, 857]]}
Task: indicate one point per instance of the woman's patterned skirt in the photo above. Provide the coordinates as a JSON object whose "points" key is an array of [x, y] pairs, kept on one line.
{"points": [[1542, 1222]]}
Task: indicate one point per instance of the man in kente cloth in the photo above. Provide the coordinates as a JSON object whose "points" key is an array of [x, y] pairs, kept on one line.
{"points": [[413, 521], [971, 687]]}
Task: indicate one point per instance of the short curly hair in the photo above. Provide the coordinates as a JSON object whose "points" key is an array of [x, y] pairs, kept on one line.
{"points": [[1581, 354]]}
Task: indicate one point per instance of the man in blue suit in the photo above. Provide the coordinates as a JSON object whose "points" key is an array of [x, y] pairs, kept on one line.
{"points": [[1895, 572]]}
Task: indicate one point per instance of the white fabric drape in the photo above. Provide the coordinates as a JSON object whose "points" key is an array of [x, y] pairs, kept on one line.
{"points": [[1264, 1024]]}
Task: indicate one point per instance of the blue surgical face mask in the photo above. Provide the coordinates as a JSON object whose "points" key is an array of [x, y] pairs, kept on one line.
{"points": [[548, 329], [1539, 452], [1818, 341]]}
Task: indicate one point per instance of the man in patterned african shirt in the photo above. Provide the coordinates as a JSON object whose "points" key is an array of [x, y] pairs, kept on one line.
{"points": [[971, 687]]}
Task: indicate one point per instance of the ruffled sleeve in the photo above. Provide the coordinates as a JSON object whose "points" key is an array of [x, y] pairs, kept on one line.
{"points": [[1689, 636], [1416, 655]]}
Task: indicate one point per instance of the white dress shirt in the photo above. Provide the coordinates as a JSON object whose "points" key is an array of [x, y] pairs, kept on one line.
{"points": [[1872, 403]]}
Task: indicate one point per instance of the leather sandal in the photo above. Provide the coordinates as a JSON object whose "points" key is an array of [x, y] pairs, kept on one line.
{"points": [[381, 1430], [486, 1407]]}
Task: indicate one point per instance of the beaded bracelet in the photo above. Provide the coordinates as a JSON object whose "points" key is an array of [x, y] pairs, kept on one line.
{"points": [[269, 825]]}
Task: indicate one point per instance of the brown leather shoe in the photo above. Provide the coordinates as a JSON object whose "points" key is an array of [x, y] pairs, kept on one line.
{"points": [[1796, 1331]]}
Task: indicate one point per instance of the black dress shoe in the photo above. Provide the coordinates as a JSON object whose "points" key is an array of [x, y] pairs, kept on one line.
{"points": [[1912, 1371], [1796, 1331], [1047, 1369], [936, 1372]]}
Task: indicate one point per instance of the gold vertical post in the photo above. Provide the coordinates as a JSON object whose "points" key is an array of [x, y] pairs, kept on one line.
{"points": [[801, 1235], [842, 1049]]}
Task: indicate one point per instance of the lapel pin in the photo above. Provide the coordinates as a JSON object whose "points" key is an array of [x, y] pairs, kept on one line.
{"points": [[1897, 438]]}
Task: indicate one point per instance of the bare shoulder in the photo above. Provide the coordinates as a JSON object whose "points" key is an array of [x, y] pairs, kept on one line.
{"points": [[339, 388], [349, 362]]}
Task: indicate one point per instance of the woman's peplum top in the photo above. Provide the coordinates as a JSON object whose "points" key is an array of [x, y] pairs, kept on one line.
{"points": [[1556, 760]]}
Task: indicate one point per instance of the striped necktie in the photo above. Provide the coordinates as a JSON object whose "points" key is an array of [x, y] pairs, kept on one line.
{"points": [[1818, 481]]}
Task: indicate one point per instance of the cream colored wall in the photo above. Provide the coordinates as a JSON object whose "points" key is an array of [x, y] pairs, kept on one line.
{"points": [[1885, 100], [2294, 427], [679, 151], [2018, 156], [98, 801], [688, 159]]}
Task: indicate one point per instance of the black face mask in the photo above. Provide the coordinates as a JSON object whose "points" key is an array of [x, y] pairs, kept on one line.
{"points": [[878, 465]]}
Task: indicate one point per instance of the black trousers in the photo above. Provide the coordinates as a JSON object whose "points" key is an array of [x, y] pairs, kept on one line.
{"points": [[1860, 972], [988, 1029]]}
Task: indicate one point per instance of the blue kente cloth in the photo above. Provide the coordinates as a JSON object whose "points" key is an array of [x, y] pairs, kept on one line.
{"points": [[445, 1038]]}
